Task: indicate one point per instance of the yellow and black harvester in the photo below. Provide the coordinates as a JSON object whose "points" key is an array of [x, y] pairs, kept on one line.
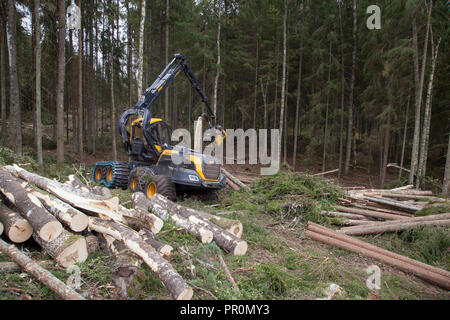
{"points": [[147, 141]]}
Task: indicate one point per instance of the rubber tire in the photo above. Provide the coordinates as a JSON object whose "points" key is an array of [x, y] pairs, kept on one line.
{"points": [[134, 174], [164, 186]]}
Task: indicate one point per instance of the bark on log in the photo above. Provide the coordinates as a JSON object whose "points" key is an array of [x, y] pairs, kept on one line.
{"points": [[165, 272], [223, 238], [152, 222], [232, 185], [232, 226], [76, 220], [372, 208], [1, 228], [348, 222], [373, 214], [149, 237], [126, 264], [421, 272], [13, 267], [77, 198], [234, 179], [375, 229], [76, 183], [46, 225], [92, 243], [17, 228], [395, 204], [325, 173], [66, 250], [443, 216], [42, 275], [344, 215], [141, 201]]}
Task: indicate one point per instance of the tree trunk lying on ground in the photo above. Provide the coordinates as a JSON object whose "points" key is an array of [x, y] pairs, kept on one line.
{"points": [[141, 201], [372, 214], [46, 225], [344, 215], [349, 222], [67, 249], [232, 226], [149, 237], [13, 267], [223, 238], [384, 210], [165, 272], [76, 220], [397, 227], [152, 222], [42, 275], [234, 179], [76, 183], [106, 208], [126, 264], [426, 272], [396, 204], [17, 228], [232, 185]]}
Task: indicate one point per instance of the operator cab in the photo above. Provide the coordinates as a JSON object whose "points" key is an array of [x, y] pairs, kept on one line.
{"points": [[160, 134]]}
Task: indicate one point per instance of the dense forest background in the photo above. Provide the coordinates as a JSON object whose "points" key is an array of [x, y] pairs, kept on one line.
{"points": [[345, 96]]}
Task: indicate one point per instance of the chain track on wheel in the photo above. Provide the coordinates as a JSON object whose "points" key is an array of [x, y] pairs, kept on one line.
{"points": [[114, 174]]}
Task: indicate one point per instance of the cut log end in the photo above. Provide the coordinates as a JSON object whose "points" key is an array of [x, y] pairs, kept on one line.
{"points": [[79, 223], [166, 250], [20, 231], [186, 294], [240, 249], [74, 252], [50, 231], [206, 236], [157, 226], [1, 228]]}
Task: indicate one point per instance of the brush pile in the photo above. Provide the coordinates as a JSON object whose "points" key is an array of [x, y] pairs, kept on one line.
{"points": [[68, 220]]}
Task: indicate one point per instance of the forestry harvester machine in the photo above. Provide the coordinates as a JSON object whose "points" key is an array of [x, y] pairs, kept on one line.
{"points": [[148, 144]]}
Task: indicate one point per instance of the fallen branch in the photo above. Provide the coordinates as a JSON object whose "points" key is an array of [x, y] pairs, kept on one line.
{"points": [[325, 173], [13, 267], [205, 264], [228, 273], [394, 165], [344, 215], [42, 275]]}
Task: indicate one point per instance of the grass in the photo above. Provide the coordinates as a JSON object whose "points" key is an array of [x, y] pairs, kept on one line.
{"points": [[280, 263]]}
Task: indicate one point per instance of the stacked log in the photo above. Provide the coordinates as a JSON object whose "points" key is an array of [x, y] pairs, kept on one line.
{"points": [[428, 273], [234, 181], [17, 228]]}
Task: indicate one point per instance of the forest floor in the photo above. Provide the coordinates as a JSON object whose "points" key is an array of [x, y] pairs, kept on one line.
{"points": [[281, 263]]}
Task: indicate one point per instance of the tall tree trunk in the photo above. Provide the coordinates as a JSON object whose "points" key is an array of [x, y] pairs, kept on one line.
{"points": [[256, 83], [3, 76], [297, 110], [80, 91], [352, 88], [325, 136], [216, 80], [14, 101], [387, 139], [405, 131], [60, 83], [130, 58], [283, 82], [341, 130], [113, 106], [446, 184], [37, 61], [141, 50], [427, 117], [166, 95], [419, 94]]}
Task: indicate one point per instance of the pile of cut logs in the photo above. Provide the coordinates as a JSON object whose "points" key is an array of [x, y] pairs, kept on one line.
{"points": [[68, 221], [370, 211]]}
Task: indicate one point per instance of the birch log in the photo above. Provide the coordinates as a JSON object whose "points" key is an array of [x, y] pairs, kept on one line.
{"points": [[165, 272], [42, 275], [76, 220], [141, 201], [66, 250], [43, 223], [100, 205], [223, 238], [149, 237], [17, 228], [152, 222]]}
